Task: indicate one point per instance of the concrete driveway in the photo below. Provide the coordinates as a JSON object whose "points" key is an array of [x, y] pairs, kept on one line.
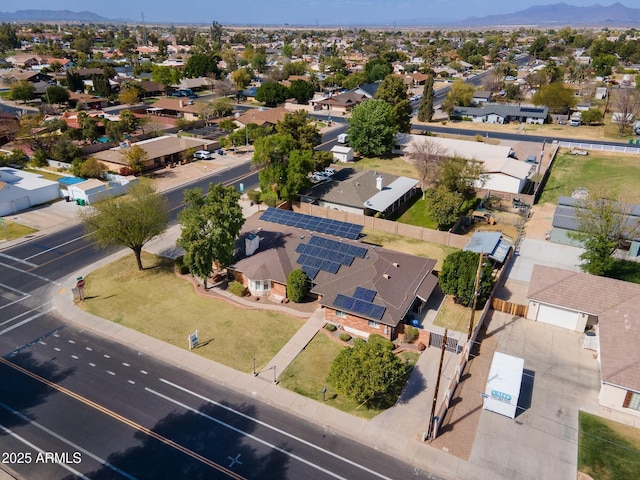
{"points": [[560, 378]]}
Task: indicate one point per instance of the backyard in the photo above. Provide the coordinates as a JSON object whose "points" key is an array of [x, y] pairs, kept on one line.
{"points": [[228, 334], [392, 164], [617, 172], [607, 450]]}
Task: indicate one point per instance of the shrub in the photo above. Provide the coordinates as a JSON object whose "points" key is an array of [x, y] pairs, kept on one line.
{"points": [[296, 286], [331, 327], [410, 334], [255, 196], [421, 346], [237, 289], [345, 337], [270, 198], [180, 266]]}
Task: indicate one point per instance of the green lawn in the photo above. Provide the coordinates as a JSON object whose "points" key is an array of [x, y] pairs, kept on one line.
{"points": [[619, 173], [607, 450], [417, 215], [455, 317], [159, 304], [12, 230], [45, 174], [307, 375], [392, 164]]}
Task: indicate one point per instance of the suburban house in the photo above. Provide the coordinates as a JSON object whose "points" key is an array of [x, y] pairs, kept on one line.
{"points": [[501, 113], [20, 190], [502, 172], [177, 107], [89, 101], [481, 97], [268, 117], [565, 221], [604, 306], [94, 190], [341, 103], [363, 192], [161, 151], [364, 289]]}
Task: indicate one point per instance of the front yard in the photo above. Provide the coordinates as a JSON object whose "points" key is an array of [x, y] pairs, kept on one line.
{"points": [[158, 303]]}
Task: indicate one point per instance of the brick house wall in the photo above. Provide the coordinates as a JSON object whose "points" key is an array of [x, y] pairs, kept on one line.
{"points": [[358, 323]]}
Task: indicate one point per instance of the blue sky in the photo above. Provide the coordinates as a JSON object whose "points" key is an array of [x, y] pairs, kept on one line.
{"points": [[307, 12]]}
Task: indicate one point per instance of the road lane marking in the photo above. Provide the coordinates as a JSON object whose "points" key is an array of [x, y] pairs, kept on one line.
{"points": [[106, 356], [25, 321], [23, 314], [15, 301], [35, 275], [28, 264], [71, 341], [88, 349], [56, 247], [68, 442], [247, 434], [126, 364], [125, 420], [275, 429], [111, 373], [57, 349], [39, 450], [91, 364], [131, 382], [14, 290], [75, 357], [144, 372]]}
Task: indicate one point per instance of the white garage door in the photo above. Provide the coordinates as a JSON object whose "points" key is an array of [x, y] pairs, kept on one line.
{"points": [[558, 316]]}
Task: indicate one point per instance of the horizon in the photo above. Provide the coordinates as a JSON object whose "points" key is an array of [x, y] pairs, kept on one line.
{"points": [[301, 13]]}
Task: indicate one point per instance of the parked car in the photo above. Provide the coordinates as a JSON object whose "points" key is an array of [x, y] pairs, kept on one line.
{"points": [[343, 138], [321, 174], [317, 177], [532, 159], [330, 171], [578, 152], [202, 155]]}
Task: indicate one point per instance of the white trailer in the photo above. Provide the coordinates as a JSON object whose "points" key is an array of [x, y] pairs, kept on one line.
{"points": [[503, 385]]}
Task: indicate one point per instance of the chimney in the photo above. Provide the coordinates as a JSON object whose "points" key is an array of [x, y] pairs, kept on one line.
{"points": [[387, 276], [181, 103], [379, 182], [396, 264], [251, 244]]}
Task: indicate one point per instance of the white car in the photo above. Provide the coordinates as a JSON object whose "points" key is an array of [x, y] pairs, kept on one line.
{"points": [[318, 178], [202, 155], [329, 171]]}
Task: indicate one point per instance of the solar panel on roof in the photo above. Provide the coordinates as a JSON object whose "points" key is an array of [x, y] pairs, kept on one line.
{"points": [[364, 294], [309, 222], [360, 307], [310, 271]]}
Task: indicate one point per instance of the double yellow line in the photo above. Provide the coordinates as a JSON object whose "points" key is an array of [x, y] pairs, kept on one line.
{"points": [[124, 420]]}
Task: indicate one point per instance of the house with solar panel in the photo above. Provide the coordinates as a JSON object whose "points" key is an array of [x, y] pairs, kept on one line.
{"points": [[364, 289], [502, 113]]}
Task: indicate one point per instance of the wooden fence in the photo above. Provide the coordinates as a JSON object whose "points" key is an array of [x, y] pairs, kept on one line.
{"points": [[508, 307]]}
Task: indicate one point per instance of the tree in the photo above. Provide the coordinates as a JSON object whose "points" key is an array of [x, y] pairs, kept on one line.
{"points": [[603, 64], [461, 94], [367, 372], [136, 157], [428, 157], [241, 78], [165, 75], [592, 116], [92, 168], [372, 127], [8, 37], [461, 175], [130, 221], [302, 91], [299, 126], [425, 109], [296, 285], [131, 93], [458, 277], [272, 93], [219, 107], [626, 105], [443, 206], [377, 69], [56, 94], [603, 226], [211, 224], [201, 65], [22, 90], [557, 96], [393, 91]]}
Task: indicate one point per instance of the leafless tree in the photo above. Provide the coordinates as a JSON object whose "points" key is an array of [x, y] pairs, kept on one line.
{"points": [[626, 105], [225, 87], [428, 158]]}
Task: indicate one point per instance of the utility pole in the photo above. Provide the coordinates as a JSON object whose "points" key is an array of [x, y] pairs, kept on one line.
{"points": [[537, 182], [476, 288], [430, 435]]}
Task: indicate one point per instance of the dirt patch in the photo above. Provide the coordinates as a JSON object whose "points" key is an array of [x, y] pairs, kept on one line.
{"points": [[539, 225]]}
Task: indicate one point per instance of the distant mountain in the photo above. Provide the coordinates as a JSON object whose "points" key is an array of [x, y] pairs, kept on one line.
{"points": [[52, 16], [562, 14]]}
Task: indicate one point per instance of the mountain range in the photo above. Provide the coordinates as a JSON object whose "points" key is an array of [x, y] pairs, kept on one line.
{"points": [[560, 14]]}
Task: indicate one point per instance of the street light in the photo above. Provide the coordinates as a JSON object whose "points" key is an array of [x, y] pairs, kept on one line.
{"points": [[255, 374]]}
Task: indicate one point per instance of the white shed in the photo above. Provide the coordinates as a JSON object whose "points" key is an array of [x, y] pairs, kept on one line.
{"points": [[503, 385], [20, 190], [342, 153]]}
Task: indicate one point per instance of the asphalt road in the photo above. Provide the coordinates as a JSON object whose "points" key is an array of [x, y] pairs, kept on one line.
{"points": [[74, 405]]}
